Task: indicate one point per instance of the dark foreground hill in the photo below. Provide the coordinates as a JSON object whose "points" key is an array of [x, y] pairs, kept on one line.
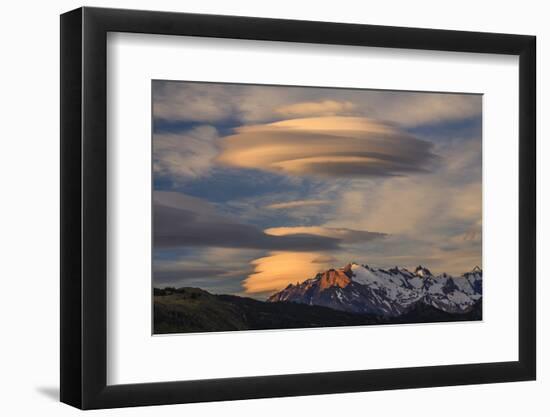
{"points": [[187, 310]]}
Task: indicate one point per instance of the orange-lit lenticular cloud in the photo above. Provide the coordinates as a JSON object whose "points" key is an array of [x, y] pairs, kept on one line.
{"points": [[342, 234], [274, 272], [327, 146]]}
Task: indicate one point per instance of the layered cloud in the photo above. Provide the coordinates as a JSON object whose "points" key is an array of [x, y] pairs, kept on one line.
{"points": [[297, 204], [275, 271], [184, 221], [316, 108], [327, 147], [195, 223], [343, 234]]}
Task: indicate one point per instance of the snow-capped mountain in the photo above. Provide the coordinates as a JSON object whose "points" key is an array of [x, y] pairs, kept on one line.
{"points": [[364, 289]]}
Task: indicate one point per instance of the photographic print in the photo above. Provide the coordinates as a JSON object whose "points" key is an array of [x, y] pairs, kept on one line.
{"points": [[280, 207]]}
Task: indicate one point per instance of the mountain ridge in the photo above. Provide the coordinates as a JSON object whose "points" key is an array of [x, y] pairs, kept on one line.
{"points": [[367, 290]]}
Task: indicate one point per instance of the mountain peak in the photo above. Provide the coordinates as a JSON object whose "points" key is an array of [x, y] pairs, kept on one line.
{"points": [[422, 272], [348, 269], [334, 277]]}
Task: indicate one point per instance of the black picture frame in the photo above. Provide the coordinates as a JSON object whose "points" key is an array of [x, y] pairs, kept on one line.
{"points": [[84, 207]]}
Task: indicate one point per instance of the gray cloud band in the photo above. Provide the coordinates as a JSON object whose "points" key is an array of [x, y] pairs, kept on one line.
{"points": [[176, 226]]}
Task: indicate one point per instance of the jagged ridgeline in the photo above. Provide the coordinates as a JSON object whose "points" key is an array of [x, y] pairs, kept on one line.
{"points": [[362, 289], [349, 296]]}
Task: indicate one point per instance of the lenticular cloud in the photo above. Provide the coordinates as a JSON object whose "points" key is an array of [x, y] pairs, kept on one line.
{"points": [[327, 146]]}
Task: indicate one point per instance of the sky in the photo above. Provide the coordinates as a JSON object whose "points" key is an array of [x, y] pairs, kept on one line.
{"points": [[256, 186]]}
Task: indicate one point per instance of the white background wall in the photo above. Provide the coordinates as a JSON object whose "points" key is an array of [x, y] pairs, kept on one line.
{"points": [[29, 176]]}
